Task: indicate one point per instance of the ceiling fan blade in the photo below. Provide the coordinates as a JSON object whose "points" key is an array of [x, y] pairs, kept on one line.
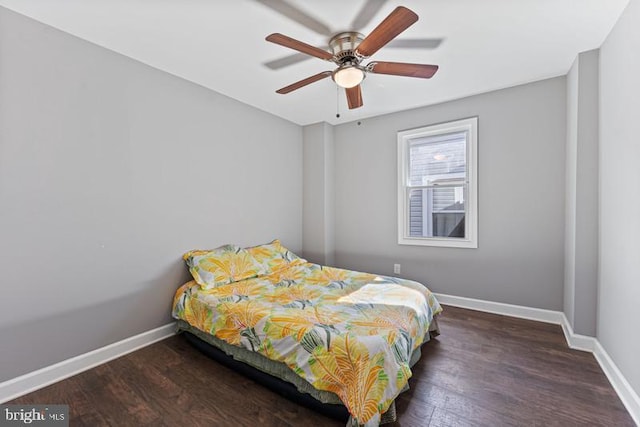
{"points": [[294, 44], [285, 61], [297, 15], [415, 43], [399, 20], [366, 14], [354, 97], [302, 83], [423, 71]]}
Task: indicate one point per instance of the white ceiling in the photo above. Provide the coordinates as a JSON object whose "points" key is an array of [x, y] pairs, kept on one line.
{"points": [[219, 44]]}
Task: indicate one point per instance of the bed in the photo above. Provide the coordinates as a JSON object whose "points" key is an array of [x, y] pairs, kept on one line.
{"points": [[342, 337]]}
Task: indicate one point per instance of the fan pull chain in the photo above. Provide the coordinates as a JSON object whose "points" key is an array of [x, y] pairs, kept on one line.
{"points": [[337, 102]]}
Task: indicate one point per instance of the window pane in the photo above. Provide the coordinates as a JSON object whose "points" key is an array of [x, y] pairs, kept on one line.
{"points": [[437, 159], [437, 212]]}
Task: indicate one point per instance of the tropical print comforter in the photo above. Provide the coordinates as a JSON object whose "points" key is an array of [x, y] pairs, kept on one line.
{"points": [[343, 331]]}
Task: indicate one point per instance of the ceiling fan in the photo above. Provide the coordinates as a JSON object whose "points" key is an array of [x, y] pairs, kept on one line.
{"points": [[366, 13], [349, 49]]}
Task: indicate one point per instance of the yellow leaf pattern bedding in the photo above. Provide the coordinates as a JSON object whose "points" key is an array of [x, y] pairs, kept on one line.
{"points": [[343, 331]]}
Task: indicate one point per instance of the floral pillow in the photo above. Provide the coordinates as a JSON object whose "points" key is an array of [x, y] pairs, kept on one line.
{"points": [[221, 266], [273, 256]]}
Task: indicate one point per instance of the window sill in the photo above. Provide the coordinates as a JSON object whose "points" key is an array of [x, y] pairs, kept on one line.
{"points": [[434, 241]]}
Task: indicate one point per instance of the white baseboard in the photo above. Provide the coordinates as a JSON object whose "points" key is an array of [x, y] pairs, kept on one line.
{"points": [[522, 312], [577, 341], [627, 394], [629, 397], [35, 380]]}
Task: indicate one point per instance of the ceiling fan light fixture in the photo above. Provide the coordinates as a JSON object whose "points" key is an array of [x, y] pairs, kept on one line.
{"points": [[348, 76]]}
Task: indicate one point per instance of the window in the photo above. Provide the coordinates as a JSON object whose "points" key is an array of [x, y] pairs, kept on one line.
{"points": [[437, 185]]}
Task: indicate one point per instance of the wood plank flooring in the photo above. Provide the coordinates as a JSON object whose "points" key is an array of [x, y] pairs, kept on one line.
{"points": [[483, 370]]}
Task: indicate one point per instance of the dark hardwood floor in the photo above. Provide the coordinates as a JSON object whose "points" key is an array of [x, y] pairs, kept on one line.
{"points": [[483, 369]]}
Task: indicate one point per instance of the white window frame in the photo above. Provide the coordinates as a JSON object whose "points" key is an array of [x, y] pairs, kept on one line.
{"points": [[470, 126]]}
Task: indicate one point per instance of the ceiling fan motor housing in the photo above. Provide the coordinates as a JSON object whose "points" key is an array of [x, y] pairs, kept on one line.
{"points": [[343, 46]]}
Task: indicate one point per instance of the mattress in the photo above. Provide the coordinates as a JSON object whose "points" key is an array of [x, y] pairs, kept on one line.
{"points": [[343, 336]]}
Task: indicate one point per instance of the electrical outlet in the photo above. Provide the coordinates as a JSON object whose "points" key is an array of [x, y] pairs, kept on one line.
{"points": [[396, 268]]}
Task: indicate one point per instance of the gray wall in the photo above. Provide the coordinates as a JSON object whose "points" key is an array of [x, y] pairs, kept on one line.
{"points": [[581, 222], [109, 171], [318, 194], [520, 258], [619, 275]]}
